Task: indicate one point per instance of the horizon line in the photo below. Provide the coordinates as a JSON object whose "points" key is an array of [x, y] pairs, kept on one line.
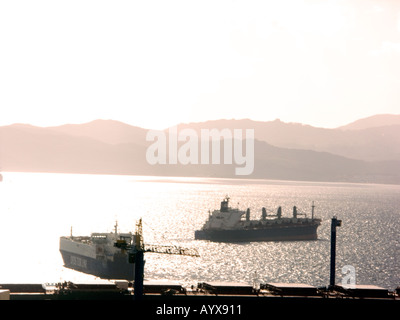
{"points": [[192, 122]]}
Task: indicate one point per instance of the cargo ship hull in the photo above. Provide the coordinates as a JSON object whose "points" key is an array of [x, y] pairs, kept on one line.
{"points": [[276, 233], [118, 269]]}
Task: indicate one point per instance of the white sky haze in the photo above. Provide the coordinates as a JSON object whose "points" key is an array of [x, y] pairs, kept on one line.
{"points": [[158, 63]]}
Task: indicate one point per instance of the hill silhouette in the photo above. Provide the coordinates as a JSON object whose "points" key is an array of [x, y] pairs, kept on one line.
{"points": [[375, 143], [288, 151], [379, 120]]}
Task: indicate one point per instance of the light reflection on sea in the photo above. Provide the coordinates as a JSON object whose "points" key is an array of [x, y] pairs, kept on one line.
{"points": [[36, 209]]}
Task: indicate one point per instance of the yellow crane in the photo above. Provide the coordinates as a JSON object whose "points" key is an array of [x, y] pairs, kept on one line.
{"points": [[136, 255]]}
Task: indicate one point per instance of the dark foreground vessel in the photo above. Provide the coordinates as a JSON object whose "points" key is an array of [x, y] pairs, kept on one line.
{"points": [[97, 255], [227, 225]]}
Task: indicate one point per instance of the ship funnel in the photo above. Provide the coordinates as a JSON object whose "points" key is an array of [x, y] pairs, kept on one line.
{"points": [[225, 205]]}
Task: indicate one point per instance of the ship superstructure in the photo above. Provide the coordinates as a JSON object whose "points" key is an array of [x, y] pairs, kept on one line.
{"points": [[227, 224]]}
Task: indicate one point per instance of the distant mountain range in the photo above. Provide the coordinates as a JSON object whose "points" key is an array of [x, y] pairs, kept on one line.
{"points": [[367, 150]]}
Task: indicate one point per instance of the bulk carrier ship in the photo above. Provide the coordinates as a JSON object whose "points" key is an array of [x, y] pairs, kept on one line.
{"points": [[227, 225], [97, 255]]}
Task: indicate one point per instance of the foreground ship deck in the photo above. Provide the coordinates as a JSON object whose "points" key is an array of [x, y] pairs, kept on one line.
{"points": [[227, 225], [162, 289]]}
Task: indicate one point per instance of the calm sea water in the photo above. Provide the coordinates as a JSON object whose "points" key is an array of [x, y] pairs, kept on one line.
{"points": [[36, 209]]}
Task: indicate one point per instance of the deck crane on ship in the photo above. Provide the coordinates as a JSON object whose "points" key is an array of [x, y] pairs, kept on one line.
{"points": [[136, 255]]}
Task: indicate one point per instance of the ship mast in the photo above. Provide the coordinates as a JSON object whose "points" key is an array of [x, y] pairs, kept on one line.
{"points": [[312, 211]]}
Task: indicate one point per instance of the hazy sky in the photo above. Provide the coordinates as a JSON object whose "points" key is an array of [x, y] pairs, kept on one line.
{"points": [[157, 63]]}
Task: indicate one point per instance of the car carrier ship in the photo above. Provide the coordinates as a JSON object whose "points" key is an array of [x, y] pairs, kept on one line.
{"points": [[228, 225], [97, 255]]}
